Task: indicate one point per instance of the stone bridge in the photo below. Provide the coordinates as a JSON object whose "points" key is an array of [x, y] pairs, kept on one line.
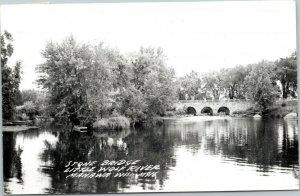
{"points": [[197, 107]]}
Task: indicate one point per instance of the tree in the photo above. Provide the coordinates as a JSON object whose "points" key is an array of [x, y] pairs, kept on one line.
{"points": [[154, 80], [286, 73], [38, 98], [190, 85], [11, 78], [213, 84], [63, 75], [107, 75], [260, 85], [160, 91], [133, 104], [233, 81]]}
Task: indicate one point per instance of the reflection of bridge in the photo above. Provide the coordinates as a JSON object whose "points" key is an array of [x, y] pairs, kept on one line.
{"points": [[197, 107]]}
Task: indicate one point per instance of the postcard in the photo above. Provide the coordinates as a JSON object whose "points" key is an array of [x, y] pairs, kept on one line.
{"points": [[149, 97]]}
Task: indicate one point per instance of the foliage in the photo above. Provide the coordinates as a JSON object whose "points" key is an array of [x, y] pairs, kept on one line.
{"points": [[119, 122], [260, 86], [154, 80], [11, 78], [86, 82], [213, 84], [180, 111], [286, 73], [28, 108], [133, 104], [189, 85], [64, 76], [234, 81], [29, 95], [106, 75]]}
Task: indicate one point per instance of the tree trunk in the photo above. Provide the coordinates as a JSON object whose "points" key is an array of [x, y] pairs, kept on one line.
{"points": [[231, 92], [284, 90]]}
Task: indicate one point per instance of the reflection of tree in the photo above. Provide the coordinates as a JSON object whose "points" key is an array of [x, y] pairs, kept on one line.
{"points": [[289, 151], [12, 165], [152, 147], [69, 147], [243, 140], [256, 142]]}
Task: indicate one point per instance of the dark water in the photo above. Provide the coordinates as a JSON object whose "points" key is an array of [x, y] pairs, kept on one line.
{"points": [[216, 155]]}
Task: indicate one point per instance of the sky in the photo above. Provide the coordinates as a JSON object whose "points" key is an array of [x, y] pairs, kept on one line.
{"points": [[200, 36]]}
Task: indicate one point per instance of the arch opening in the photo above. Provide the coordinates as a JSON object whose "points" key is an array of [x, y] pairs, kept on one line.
{"points": [[224, 110], [207, 111], [191, 110]]}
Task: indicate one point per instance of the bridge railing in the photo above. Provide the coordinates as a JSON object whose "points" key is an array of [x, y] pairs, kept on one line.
{"points": [[213, 101], [279, 100]]}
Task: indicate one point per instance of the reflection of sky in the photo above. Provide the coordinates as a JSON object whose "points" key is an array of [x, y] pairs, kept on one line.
{"points": [[212, 173], [33, 178]]}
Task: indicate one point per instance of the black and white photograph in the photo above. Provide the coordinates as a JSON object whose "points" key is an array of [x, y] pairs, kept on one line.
{"points": [[143, 97]]}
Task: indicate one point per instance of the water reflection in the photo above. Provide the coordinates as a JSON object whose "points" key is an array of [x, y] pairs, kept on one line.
{"points": [[230, 154]]}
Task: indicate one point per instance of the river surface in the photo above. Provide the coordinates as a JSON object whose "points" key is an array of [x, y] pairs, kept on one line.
{"points": [[213, 155]]}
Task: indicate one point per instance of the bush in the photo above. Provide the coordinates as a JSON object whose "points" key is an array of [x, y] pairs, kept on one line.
{"points": [[283, 104], [170, 113], [180, 111], [28, 108], [248, 112], [116, 123]]}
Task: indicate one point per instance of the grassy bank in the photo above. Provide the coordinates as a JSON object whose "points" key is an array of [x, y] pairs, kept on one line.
{"points": [[112, 123]]}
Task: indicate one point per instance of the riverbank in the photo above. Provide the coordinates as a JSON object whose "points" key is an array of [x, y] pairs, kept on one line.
{"points": [[278, 110], [18, 128]]}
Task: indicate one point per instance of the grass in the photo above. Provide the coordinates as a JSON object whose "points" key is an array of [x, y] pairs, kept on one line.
{"points": [[112, 123]]}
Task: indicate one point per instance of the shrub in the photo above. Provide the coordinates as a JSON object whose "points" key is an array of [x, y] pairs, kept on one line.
{"points": [[170, 113], [28, 108], [180, 111], [283, 104], [119, 122]]}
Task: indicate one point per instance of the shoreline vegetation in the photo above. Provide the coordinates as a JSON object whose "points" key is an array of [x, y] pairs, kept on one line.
{"points": [[286, 110], [104, 125], [94, 86]]}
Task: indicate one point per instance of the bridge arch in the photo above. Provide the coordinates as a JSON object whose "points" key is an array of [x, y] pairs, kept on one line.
{"points": [[224, 110], [207, 110], [191, 110]]}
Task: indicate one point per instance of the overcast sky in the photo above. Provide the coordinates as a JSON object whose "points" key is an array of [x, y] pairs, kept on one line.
{"points": [[200, 36]]}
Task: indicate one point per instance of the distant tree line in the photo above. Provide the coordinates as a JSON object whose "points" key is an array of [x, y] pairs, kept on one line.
{"points": [[261, 82]]}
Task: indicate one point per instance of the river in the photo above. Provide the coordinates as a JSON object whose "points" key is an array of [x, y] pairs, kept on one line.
{"points": [[212, 155]]}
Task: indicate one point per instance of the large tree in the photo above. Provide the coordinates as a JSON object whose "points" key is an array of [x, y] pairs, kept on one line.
{"points": [[63, 74], [260, 85], [108, 75], [286, 73], [154, 79], [11, 78]]}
